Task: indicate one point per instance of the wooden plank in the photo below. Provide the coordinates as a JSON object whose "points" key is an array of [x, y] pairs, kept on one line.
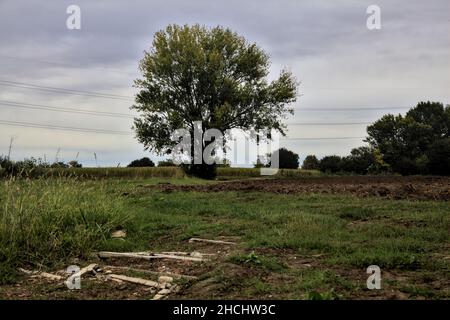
{"points": [[87, 269], [38, 274], [211, 241], [141, 281], [156, 273], [106, 254]]}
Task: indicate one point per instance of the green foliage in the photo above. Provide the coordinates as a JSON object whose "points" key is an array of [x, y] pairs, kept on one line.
{"points": [[193, 73], [287, 159], [331, 164], [439, 157], [260, 261], [311, 163], [46, 222], [359, 161], [143, 162], [74, 164], [406, 143]]}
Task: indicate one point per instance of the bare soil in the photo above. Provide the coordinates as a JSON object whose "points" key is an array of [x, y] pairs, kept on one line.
{"points": [[390, 187]]}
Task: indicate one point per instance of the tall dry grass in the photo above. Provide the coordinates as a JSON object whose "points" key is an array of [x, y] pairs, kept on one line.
{"points": [[44, 222]]}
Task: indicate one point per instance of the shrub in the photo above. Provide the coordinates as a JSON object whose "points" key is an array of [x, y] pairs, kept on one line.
{"points": [[330, 164], [75, 164], [359, 161], [439, 157], [311, 163], [144, 162], [287, 159]]}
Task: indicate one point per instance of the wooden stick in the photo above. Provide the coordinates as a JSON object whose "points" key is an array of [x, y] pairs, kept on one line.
{"points": [[84, 270], [106, 254], [144, 282], [169, 256], [27, 271], [156, 273], [210, 241], [41, 274], [192, 254]]}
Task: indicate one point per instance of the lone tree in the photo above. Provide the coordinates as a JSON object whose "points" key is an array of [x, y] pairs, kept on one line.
{"points": [[211, 75]]}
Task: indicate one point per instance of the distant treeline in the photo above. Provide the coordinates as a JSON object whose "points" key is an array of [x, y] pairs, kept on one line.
{"points": [[417, 143]]}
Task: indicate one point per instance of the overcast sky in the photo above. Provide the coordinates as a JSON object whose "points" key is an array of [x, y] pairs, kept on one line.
{"points": [[326, 44]]}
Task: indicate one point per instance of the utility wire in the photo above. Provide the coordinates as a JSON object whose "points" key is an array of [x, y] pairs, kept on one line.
{"points": [[124, 115], [322, 138], [63, 90], [89, 130], [60, 109], [350, 109], [61, 128], [327, 123]]}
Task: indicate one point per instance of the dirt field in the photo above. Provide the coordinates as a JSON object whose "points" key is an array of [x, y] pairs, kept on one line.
{"points": [[413, 188]]}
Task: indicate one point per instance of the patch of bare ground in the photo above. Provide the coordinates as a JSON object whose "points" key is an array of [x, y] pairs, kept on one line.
{"points": [[390, 187]]}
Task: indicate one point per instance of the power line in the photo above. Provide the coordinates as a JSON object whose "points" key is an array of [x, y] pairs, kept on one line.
{"points": [[61, 128], [350, 109], [89, 130], [125, 115], [60, 109], [63, 90], [327, 123], [323, 138]]}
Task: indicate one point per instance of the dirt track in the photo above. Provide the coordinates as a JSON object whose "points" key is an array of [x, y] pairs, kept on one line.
{"points": [[391, 187]]}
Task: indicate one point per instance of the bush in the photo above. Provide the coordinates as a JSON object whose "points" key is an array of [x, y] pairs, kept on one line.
{"points": [[144, 162], [59, 164], [439, 157], [5, 165], [359, 161], [330, 164], [75, 164], [287, 159], [311, 163]]}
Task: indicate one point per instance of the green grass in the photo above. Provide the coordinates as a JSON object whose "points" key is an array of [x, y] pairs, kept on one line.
{"points": [[49, 221], [308, 224]]}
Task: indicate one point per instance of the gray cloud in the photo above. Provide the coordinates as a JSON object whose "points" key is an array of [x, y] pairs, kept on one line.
{"points": [[325, 43]]}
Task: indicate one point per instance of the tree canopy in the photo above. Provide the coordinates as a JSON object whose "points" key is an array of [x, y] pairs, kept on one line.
{"points": [[211, 75], [143, 162], [311, 163], [407, 143]]}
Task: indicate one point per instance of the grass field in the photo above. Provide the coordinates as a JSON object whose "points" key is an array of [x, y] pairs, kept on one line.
{"points": [[294, 246]]}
